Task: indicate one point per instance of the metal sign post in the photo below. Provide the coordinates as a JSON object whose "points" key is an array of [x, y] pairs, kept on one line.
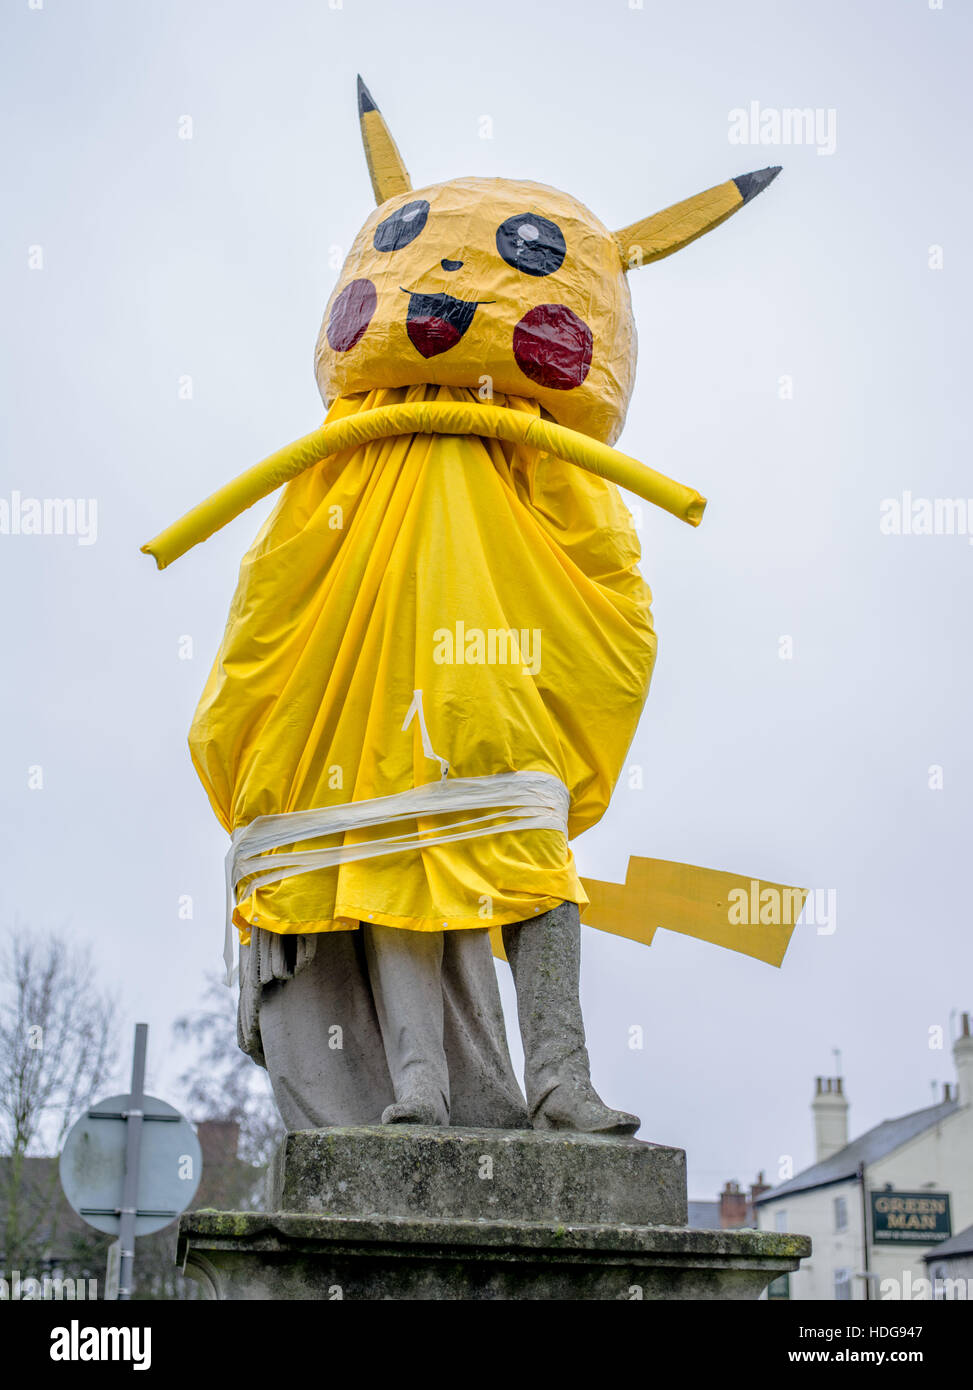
{"points": [[134, 1177], [133, 1152], [111, 1273]]}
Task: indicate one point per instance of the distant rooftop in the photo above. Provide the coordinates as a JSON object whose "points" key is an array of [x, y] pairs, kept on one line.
{"points": [[960, 1244], [704, 1216], [872, 1145]]}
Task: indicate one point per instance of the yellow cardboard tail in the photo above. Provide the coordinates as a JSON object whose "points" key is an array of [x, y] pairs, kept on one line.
{"points": [[753, 916]]}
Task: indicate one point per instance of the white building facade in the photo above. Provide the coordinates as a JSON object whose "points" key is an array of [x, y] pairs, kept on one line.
{"points": [[876, 1206]]}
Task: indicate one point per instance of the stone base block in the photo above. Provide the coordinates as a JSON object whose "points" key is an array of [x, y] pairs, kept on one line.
{"points": [[405, 1212], [248, 1255], [412, 1171]]}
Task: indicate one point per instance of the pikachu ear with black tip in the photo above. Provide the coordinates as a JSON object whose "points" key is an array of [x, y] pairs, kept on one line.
{"points": [[388, 172], [673, 228]]}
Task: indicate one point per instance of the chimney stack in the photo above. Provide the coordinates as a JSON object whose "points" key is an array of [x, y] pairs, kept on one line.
{"points": [[757, 1189], [219, 1140], [733, 1207], [963, 1057], [830, 1111]]}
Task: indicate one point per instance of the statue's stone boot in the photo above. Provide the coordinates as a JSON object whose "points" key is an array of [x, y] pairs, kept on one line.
{"points": [[405, 972], [419, 1109], [545, 957]]}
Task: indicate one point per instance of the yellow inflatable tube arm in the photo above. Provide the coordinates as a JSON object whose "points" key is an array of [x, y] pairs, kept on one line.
{"points": [[420, 417]]}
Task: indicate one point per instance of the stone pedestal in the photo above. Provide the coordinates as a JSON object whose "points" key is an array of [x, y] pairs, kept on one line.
{"points": [[404, 1212]]}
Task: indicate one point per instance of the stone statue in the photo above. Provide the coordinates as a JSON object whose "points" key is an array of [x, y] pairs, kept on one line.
{"points": [[421, 1035]]}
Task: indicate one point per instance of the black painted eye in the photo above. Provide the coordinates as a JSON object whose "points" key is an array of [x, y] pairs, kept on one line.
{"points": [[401, 226], [531, 244]]}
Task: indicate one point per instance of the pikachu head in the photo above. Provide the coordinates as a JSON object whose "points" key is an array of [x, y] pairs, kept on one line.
{"points": [[500, 286]]}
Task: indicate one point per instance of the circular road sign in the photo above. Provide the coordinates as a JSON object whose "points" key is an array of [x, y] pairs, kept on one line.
{"points": [[93, 1165]]}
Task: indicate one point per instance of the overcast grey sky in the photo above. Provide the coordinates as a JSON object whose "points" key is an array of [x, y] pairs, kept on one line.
{"points": [[213, 257]]}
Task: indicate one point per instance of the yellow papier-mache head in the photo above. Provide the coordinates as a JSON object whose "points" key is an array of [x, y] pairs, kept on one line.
{"points": [[491, 284], [498, 285]]}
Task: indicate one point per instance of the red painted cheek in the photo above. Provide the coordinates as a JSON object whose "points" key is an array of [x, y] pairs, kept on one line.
{"points": [[351, 314], [553, 347]]}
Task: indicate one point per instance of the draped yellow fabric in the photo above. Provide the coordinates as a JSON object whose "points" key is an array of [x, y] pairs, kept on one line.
{"points": [[402, 566]]}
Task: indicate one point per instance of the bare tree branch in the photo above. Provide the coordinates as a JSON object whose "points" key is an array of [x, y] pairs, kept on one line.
{"points": [[58, 1045], [223, 1083]]}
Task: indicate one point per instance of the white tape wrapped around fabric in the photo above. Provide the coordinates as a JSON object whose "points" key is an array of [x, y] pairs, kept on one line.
{"points": [[510, 801]]}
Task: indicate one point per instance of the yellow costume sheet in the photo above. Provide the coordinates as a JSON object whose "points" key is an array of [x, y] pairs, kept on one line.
{"points": [[498, 581]]}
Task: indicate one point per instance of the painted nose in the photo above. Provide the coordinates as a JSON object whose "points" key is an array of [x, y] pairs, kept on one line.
{"points": [[451, 265]]}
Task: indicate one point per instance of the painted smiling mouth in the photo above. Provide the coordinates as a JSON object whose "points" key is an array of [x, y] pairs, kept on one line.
{"points": [[436, 322]]}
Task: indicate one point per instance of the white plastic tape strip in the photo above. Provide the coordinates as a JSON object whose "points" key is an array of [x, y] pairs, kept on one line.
{"points": [[518, 800], [415, 709]]}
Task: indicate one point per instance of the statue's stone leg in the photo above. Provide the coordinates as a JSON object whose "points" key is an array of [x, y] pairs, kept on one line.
{"points": [[483, 1090], [321, 1039], [545, 957], [308, 1013], [405, 970]]}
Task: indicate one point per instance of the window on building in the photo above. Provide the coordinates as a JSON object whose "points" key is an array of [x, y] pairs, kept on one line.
{"points": [[780, 1221], [841, 1213], [779, 1287], [842, 1284]]}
